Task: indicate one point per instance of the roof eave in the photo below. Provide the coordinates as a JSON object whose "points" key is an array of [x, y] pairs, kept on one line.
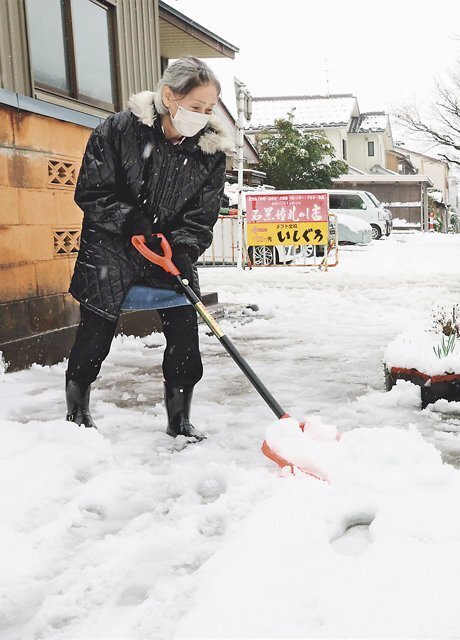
{"points": [[198, 32]]}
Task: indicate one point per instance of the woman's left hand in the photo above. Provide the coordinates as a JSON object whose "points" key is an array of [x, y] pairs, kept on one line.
{"points": [[184, 263]]}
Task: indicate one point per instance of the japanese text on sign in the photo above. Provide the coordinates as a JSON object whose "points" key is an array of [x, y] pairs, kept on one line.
{"points": [[292, 233], [286, 207], [287, 218]]}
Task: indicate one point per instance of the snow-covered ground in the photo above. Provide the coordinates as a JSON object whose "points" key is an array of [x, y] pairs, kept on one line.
{"points": [[126, 534]]}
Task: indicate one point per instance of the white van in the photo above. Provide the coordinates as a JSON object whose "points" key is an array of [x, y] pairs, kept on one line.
{"points": [[364, 205]]}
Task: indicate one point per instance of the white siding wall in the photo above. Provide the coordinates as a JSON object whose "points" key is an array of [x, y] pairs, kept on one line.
{"points": [[358, 151], [358, 156], [436, 171], [454, 191], [335, 138]]}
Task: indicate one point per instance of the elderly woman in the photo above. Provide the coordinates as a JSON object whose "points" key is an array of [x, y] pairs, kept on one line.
{"points": [[159, 167]]}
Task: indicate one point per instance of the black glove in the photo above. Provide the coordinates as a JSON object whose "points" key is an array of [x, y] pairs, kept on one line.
{"points": [[144, 227], [183, 262]]}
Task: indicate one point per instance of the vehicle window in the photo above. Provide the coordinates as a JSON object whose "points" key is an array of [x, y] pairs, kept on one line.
{"points": [[335, 202], [353, 202], [373, 198]]}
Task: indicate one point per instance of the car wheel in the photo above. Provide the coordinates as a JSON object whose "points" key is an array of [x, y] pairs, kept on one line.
{"points": [[262, 256], [376, 232]]}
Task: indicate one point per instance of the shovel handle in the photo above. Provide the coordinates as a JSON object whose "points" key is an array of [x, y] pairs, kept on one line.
{"points": [[164, 261]]}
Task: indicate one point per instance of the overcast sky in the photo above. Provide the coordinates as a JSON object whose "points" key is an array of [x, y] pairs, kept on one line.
{"points": [[384, 53]]}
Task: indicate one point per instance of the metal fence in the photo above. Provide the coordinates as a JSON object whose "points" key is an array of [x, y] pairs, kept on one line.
{"points": [[223, 251]]}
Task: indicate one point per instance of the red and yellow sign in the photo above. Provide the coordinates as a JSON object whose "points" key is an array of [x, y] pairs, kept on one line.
{"points": [[286, 233], [286, 218]]}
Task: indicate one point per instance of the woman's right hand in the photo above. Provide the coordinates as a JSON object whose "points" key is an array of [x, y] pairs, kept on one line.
{"points": [[144, 227]]}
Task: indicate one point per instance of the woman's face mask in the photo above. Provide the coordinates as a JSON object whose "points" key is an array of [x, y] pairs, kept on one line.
{"points": [[188, 123]]}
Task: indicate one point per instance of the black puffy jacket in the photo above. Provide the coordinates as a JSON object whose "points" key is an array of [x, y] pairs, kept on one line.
{"points": [[130, 170]]}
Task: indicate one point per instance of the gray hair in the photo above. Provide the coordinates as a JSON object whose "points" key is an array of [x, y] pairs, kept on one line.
{"points": [[182, 76]]}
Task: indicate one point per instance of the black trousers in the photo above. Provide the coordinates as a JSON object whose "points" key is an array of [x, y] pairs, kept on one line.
{"points": [[182, 364]]}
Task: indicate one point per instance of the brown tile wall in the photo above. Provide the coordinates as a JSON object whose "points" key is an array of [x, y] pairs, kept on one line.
{"points": [[31, 208], [34, 298]]}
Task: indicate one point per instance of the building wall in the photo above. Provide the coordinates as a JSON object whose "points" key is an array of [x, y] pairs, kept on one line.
{"points": [[14, 52], [137, 58], [139, 46], [392, 162], [454, 191], [358, 148], [438, 172], [335, 137], [39, 221], [359, 157]]}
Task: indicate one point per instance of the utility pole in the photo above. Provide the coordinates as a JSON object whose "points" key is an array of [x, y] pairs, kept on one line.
{"points": [[244, 106]]}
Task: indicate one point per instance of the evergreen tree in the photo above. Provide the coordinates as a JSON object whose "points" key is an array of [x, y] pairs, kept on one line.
{"points": [[295, 159]]}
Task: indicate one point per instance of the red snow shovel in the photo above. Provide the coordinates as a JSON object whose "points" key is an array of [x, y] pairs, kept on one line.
{"points": [[165, 262]]}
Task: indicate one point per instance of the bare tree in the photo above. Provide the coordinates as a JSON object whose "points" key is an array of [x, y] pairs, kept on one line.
{"points": [[444, 126]]}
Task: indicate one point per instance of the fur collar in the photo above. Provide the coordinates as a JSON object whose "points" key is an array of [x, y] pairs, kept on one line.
{"points": [[216, 136]]}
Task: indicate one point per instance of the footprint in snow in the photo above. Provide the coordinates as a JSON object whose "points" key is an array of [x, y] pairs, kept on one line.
{"points": [[355, 536]]}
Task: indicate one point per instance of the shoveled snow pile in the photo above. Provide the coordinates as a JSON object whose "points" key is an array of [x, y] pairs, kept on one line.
{"points": [[365, 556]]}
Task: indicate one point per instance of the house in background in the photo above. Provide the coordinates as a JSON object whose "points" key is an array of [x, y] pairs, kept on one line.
{"points": [[361, 139], [400, 163], [370, 140], [65, 65], [437, 169]]}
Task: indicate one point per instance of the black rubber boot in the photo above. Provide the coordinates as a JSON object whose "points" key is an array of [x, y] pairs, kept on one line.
{"points": [[78, 405], [178, 400]]}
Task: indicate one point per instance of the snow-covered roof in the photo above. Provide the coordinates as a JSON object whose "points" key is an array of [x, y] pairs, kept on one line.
{"points": [[430, 153], [312, 112], [371, 122], [355, 172], [383, 179]]}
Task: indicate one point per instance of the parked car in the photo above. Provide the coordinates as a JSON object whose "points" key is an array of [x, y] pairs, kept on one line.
{"points": [[363, 205], [350, 229], [353, 230]]}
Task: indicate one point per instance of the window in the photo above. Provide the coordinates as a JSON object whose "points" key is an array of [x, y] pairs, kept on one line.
{"points": [[353, 202], [72, 50], [373, 198], [346, 201], [344, 149], [370, 149], [335, 202]]}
